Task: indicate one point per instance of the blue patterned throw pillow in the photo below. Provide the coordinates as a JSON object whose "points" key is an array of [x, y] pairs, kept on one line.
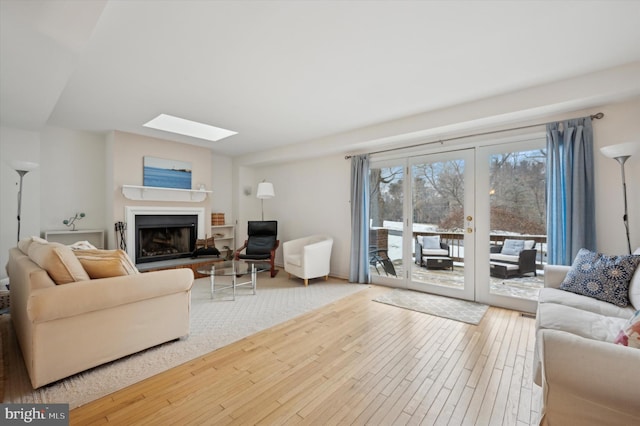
{"points": [[602, 277]]}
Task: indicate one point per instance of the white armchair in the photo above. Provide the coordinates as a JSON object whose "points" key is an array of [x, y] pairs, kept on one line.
{"points": [[308, 257]]}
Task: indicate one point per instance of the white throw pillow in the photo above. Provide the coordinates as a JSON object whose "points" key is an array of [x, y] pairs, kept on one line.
{"points": [[512, 247], [430, 242]]}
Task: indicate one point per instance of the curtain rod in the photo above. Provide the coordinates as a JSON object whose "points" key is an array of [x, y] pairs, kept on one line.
{"points": [[596, 116]]}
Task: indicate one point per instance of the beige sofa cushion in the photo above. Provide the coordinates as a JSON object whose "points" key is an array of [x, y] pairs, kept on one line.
{"points": [[25, 243], [58, 260], [105, 263]]}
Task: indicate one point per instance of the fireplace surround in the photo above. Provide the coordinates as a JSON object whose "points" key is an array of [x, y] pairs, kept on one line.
{"points": [[162, 233], [164, 237]]}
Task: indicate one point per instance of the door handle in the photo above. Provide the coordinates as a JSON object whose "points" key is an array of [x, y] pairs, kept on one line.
{"points": [[469, 227]]}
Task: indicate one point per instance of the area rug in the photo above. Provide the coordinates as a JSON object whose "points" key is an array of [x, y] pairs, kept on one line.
{"points": [[214, 323], [446, 307]]}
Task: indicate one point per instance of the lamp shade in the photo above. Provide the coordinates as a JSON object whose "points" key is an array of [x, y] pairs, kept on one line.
{"points": [[625, 149], [23, 166], [265, 190]]}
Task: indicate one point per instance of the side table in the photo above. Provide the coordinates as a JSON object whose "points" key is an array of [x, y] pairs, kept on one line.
{"points": [[435, 262]]}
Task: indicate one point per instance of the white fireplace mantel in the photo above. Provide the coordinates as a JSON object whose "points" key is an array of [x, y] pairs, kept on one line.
{"points": [[152, 193], [130, 213]]}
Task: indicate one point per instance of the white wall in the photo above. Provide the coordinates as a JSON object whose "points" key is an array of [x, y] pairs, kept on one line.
{"points": [[74, 167], [312, 197], [19, 145], [620, 124], [222, 186]]}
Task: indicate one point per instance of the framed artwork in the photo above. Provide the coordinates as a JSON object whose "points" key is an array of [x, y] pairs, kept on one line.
{"points": [[163, 173]]}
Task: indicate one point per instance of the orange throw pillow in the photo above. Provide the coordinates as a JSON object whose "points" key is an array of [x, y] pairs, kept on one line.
{"points": [[105, 263]]}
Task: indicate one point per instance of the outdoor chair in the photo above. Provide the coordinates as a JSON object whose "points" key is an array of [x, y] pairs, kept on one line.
{"points": [[431, 252], [380, 257], [513, 258], [261, 243]]}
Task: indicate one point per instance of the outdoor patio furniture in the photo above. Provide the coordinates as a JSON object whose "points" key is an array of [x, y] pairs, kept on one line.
{"points": [[431, 252], [438, 262], [380, 257], [513, 258]]}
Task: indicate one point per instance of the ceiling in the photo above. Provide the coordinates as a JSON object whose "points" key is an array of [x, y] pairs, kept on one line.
{"points": [[286, 72]]}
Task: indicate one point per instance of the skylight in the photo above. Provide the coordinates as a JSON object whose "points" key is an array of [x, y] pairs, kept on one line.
{"points": [[169, 123]]}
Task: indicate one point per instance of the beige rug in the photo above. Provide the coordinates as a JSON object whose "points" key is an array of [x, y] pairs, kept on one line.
{"points": [[446, 307], [214, 324]]}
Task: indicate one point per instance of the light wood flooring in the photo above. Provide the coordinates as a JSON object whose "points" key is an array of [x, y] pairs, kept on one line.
{"points": [[352, 362]]}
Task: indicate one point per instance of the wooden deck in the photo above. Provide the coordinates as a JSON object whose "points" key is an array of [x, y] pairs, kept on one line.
{"points": [[352, 362]]}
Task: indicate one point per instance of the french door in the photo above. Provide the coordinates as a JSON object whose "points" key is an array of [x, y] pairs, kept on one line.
{"points": [[435, 218], [442, 224], [441, 189]]}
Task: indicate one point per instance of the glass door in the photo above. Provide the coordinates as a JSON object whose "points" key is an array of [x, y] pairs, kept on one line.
{"points": [[511, 182], [386, 213], [443, 224]]}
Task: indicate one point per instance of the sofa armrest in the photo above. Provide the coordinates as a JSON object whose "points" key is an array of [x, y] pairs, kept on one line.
{"points": [[445, 246], [554, 275], [417, 250], [587, 379], [80, 297]]}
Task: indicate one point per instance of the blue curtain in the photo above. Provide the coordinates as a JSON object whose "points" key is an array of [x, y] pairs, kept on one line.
{"points": [[359, 261], [571, 221]]}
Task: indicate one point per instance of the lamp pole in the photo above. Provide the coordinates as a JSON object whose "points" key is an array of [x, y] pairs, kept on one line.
{"points": [[22, 168], [21, 173], [625, 218]]}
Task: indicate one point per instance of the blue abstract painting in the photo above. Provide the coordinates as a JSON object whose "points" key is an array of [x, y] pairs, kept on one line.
{"points": [[163, 173]]}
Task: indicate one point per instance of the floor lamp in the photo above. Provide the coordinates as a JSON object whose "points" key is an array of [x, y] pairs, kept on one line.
{"points": [[265, 190], [22, 167], [621, 153]]}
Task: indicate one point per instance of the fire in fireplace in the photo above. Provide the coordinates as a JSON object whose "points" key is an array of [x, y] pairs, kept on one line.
{"points": [[163, 237]]}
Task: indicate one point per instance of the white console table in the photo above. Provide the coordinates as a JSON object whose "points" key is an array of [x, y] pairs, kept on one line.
{"points": [[94, 236]]}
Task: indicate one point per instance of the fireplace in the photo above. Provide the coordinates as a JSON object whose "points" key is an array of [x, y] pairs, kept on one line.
{"points": [[162, 233], [161, 237]]}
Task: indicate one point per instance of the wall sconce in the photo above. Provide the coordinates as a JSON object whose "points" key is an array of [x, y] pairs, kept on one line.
{"points": [[265, 190]]}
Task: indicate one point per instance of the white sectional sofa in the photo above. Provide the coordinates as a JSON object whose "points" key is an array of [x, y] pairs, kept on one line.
{"points": [[586, 378]]}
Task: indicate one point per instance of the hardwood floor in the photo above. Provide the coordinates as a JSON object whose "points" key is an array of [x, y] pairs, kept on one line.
{"points": [[351, 362]]}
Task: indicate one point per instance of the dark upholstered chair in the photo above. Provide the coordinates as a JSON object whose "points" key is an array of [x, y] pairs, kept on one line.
{"points": [[519, 260], [438, 249], [261, 243]]}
